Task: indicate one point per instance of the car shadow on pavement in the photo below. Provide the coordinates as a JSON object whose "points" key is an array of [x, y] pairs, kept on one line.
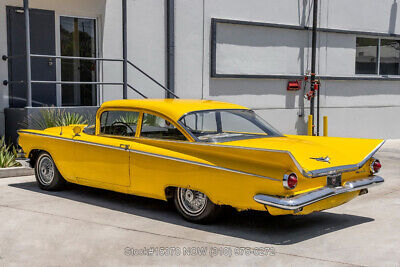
{"points": [[250, 225]]}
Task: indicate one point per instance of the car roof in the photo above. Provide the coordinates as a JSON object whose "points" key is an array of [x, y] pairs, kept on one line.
{"points": [[172, 108]]}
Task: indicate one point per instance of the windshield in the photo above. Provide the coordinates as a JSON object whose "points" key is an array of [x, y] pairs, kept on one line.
{"points": [[227, 125]]}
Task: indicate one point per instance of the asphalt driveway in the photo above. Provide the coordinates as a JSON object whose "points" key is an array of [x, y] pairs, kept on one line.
{"points": [[99, 228]]}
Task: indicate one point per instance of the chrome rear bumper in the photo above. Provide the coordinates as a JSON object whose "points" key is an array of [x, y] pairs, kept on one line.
{"points": [[299, 201]]}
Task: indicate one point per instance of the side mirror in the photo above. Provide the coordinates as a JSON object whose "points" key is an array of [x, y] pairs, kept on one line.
{"points": [[77, 130]]}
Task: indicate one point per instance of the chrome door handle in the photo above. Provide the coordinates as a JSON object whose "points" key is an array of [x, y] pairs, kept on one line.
{"points": [[124, 146]]}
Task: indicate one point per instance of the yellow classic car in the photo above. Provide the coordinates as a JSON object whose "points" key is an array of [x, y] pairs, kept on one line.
{"points": [[202, 155]]}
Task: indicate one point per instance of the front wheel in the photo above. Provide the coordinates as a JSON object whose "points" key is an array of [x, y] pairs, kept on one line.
{"points": [[47, 175], [195, 206]]}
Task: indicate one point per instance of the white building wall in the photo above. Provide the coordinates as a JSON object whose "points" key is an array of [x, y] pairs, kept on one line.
{"points": [[349, 104], [190, 53], [362, 15], [146, 47], [255, 50]]}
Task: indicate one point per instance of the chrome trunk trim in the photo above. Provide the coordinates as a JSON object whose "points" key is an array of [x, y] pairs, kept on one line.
{"points": [[344, 168]]}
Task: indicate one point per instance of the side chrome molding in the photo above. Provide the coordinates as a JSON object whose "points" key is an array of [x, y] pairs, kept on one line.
{"points": [[156, 155], [308, 174]]}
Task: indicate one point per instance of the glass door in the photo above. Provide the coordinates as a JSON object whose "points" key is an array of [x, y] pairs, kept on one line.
{"points": [[78, 39]]}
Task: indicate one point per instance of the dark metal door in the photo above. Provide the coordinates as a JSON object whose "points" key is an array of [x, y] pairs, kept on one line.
{"points": [[42, 42]]}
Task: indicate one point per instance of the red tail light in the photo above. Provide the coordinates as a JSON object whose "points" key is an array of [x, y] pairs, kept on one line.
{"points": [[375, 166], [290, 181]]}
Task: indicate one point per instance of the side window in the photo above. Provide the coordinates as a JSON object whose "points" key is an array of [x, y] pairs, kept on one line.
{"points": [[158, 128], [201, 122], [235, 123], [121, 123]]}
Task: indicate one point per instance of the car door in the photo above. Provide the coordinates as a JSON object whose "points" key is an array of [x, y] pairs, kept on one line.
{"points": [[103, 160], [151, 153]]}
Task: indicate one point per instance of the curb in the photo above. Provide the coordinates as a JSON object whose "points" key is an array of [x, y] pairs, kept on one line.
{"points": [[16, 171]]}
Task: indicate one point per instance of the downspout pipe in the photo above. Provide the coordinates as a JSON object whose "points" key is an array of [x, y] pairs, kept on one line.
{"points": [[313, 60], [124, 51], [170, 21], [28, 55]]}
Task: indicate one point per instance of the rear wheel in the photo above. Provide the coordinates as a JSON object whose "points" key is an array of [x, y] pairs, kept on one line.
{"points": [[195, 206], [47, 175]]}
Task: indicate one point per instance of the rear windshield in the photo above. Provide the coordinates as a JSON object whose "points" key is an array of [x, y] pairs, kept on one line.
{"points": [[227, 125]]}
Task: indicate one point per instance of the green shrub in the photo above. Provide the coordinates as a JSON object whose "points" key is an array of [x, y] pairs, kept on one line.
{"points": [[150, 120], [129, 118], [132, 118], [8, 155]]}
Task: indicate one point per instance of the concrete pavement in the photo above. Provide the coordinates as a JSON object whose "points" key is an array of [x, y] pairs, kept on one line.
{"points": [[100, 228]]}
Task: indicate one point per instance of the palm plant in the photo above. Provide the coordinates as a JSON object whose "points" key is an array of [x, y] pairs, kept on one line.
{"points": [[8, 155], [130, 118], [51, 117], [150, 120], [68, 118]]}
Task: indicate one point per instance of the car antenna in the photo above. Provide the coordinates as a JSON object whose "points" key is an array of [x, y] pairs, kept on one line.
{"points": [[61, 131]]}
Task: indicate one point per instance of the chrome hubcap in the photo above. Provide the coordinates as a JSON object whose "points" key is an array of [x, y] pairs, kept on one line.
{"points": [[46, 170], [192, 202]]}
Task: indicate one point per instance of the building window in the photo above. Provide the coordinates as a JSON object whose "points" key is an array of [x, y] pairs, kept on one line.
{"points": [[78, 39], [367, 54], [377, 56], [389, 57]]}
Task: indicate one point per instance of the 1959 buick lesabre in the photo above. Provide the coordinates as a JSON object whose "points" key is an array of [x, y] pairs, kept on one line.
{"points": [[202, 154]]}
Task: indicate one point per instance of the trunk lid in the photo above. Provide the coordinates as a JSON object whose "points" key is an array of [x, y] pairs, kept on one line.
{"points": [[316, 153]]}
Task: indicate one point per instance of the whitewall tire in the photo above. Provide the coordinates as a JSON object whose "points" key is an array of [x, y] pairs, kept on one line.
{"points": [[47, 175], [195, 206]]}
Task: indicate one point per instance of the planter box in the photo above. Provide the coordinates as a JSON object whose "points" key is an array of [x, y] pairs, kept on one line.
{"points": [[16, 171], [15, 117]]}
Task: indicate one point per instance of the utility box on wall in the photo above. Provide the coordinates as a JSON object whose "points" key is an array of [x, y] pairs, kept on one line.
{"points": [[293, 85]]}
